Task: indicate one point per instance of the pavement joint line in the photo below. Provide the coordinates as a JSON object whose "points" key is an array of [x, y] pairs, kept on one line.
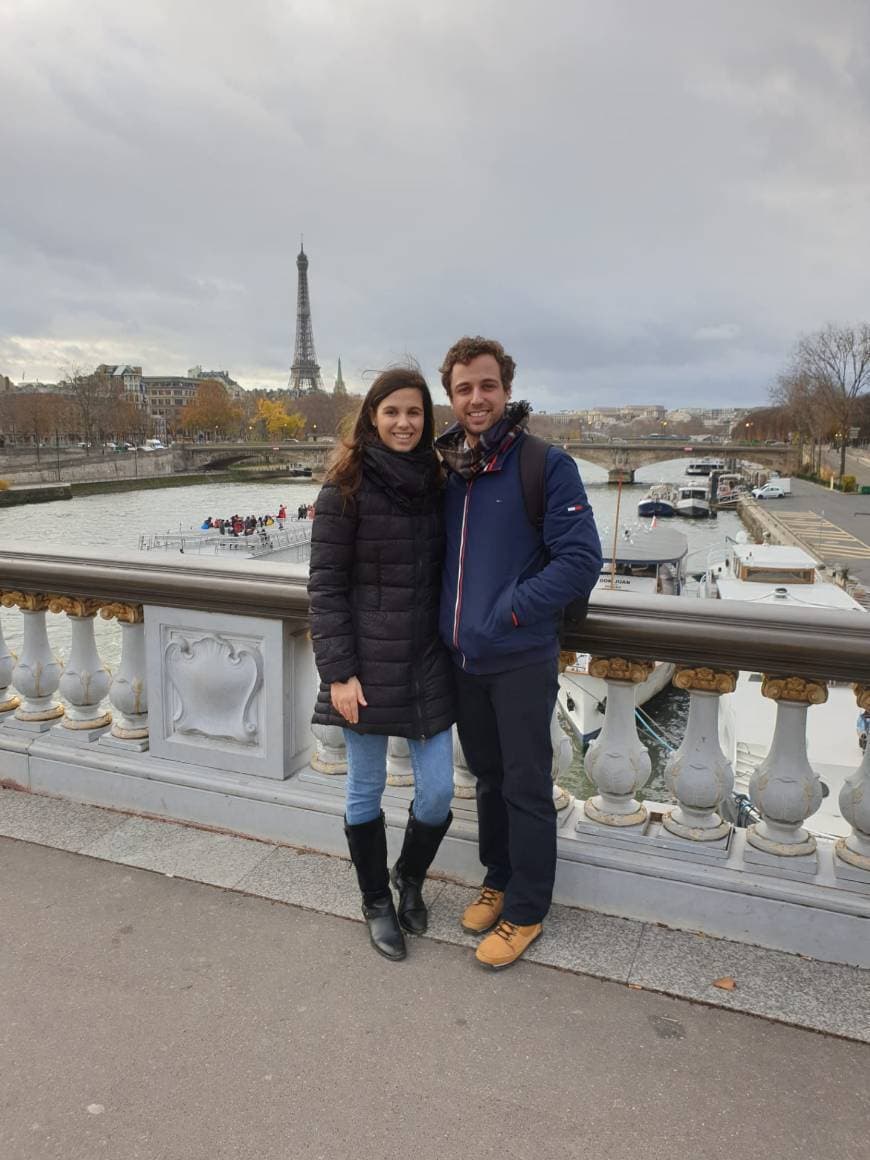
{"points": [[673, 985]]}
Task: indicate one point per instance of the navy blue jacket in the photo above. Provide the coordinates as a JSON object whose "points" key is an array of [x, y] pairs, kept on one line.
{"points": [[505, 582]]}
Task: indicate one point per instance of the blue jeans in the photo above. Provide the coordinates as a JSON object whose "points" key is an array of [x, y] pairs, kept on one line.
{"points": [[432, 761]]}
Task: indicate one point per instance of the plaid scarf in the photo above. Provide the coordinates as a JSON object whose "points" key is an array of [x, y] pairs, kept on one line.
{"points": [[470, 462]]}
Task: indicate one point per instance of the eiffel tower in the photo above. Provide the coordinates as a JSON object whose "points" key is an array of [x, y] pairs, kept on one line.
{"points": [[305, 372]]}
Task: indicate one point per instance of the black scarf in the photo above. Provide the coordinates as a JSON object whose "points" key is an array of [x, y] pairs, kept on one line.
{"points": [[409, 478]]}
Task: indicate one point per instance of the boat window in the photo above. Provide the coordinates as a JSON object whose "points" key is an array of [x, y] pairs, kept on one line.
{"points": [[776, 575]]}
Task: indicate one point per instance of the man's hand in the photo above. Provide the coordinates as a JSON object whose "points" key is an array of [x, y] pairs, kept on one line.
{"points": [[347, 696]]}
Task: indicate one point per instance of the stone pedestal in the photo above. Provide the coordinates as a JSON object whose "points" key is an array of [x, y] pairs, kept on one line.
{"points": [[784, 788], [854, 804], [698, 774], [617, 762]]}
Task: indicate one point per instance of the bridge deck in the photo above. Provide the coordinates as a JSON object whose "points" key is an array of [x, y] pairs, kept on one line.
{"points": [[156, 1017]]}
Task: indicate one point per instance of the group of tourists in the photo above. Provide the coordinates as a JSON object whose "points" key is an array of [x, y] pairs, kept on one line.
{"points": [[439, 574], [305, 511], [244, 525]]}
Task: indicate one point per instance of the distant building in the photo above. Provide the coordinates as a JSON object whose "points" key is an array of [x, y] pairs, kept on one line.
{"points": [[6, 384], [35, 387], [166, 396], [127, 380], [236, 390]]}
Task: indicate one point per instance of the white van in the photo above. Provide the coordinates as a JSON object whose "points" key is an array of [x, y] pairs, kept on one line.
{"points": [[773, 489]]}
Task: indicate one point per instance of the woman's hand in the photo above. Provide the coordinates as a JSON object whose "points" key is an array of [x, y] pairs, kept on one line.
{"points": [[347, 696]]}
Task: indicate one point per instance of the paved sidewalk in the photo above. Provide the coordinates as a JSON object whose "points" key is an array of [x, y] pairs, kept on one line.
{"points": [[154, 1019], [821, 996]]}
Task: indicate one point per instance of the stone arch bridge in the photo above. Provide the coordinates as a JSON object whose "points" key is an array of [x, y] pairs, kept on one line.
{"points": [[219, 456], [622, 459]]}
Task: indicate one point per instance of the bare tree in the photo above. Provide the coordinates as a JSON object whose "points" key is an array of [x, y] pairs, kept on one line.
{"points": [[90, 393], [836, 363]]}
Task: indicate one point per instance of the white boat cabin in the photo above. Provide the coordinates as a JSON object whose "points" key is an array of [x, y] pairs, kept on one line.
{"points": [[773, 573], [651, 561]]}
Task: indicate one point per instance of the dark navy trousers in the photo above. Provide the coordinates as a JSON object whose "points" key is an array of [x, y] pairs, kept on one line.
{"points": [[504, 726]]}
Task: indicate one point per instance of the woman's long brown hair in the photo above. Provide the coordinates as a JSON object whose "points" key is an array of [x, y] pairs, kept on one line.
{"points": [[345, 466]]}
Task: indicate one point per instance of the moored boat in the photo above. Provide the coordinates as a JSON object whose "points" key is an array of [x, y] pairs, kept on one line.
{"points": [[651, 562], [660, 500], [705, 466], [693, 500]]}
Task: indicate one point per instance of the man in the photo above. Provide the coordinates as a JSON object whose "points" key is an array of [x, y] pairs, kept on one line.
{"points": [[505, 585]]}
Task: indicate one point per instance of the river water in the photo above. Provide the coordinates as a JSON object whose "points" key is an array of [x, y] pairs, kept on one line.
{"points": [[114, 522]]}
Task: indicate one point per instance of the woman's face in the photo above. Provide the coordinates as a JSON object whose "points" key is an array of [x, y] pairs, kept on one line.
{"points": [[399, 419]]}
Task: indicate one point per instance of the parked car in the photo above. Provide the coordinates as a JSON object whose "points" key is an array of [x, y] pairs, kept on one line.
{"points": [[776, 489]]}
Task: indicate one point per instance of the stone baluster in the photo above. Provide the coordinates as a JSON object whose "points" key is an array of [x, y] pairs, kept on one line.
{"points": [[465, 784], [563, 755], [698, 774], [400, 771], [464, 781], [37, 671], [128, 691], [85, 680], [8, 700], [330, 751], [854, 803], [617, 762], [784, 788]]}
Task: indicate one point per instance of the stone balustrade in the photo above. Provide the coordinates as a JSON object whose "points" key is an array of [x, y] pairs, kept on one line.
{"points": [[197, 704]]}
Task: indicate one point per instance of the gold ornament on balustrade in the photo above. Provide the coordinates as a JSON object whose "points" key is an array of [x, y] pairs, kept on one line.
{"points": [[80, 606], [128, 613], [566, 659], [26, 601], [705, 680], [801, 690], [620, 669]]}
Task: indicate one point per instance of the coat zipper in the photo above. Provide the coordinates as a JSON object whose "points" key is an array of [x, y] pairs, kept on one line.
{"points": [[463, 539]]}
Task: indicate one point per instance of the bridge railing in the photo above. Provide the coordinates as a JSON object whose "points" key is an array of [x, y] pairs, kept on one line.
{"points": [[186, 691]]}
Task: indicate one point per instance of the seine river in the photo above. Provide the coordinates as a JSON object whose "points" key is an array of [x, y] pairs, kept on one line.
{"points": [[115, 522]]}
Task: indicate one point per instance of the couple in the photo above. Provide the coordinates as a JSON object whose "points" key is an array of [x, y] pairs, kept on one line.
{"points": [[436, 596]]}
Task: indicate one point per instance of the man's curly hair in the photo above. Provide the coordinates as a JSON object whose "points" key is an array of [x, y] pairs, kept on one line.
{"points": [[468, 348]]}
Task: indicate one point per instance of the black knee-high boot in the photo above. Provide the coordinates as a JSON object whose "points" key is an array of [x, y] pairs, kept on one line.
{"points": [[418, 850], [367, 843]]}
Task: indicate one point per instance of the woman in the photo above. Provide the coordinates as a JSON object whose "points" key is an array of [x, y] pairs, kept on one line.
{"points": [[377, 546]]}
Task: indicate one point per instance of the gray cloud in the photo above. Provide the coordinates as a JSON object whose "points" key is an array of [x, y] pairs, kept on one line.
{"points": [[643, 201]]}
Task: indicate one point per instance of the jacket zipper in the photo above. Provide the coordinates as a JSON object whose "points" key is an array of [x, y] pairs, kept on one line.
{"points": [[415, 641], [463, 538]]}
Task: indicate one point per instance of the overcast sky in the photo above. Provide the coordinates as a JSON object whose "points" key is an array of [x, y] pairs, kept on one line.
{"points": [[644, 201]]}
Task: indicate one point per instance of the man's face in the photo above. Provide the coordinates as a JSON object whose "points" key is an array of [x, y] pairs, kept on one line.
{"points": [[477, 396]]}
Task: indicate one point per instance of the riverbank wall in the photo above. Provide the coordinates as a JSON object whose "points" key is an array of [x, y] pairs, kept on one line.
{"points": [[45, 492], [131, 465], [40, 493]]}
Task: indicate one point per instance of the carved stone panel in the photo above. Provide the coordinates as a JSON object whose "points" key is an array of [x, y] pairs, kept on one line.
{"points": [[223, 692]]}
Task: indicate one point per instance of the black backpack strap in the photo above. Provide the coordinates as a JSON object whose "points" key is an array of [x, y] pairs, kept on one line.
{"points": [[533, 477]]}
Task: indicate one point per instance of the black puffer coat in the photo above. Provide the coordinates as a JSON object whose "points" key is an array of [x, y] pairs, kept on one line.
{"points": [[375, 585]]}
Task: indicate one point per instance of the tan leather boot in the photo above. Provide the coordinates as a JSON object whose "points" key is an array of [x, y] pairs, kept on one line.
{"points": [[484, 912], [507, 942]]}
